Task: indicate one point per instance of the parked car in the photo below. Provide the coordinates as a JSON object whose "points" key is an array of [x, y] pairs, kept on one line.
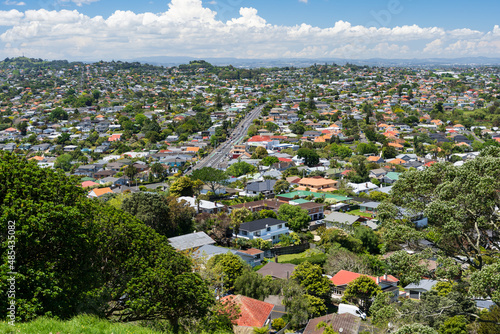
{"points": [[354, 310]]}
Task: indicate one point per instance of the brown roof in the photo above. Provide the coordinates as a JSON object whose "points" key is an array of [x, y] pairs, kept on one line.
{"points": [[251, 251], [277, 270], [349, 323]]}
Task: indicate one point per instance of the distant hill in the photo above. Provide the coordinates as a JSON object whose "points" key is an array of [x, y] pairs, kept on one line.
{"points": [[304, 62]]}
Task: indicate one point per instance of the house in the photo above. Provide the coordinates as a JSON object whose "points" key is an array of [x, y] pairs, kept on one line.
{"points": [[314, 210], [415, 290], [98, 192], [192, 241], [202, 206], [369, 207], [252, 256], [377, 173], [265, 187], [265, 229], [342, 220], [390, 177], [345, 323], [317, 184], [277, 270], [387, 283], [365, 187], [253, 312], [87, 170]]}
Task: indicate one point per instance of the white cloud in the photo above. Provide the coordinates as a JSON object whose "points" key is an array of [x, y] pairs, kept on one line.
{"points": [[14, 3], [187, 28], [304, 1], [80, 3]]}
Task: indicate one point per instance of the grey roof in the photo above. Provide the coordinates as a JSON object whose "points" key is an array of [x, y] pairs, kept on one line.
{"points": [[371, 205], [342, 218], [260, 224], [277, 270], [484, 303], [192, 240], [266, 185], [210, 250], [424, 284]]}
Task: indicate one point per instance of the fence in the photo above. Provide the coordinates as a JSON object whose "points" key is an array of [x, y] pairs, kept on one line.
{"points": [[286, 250]]}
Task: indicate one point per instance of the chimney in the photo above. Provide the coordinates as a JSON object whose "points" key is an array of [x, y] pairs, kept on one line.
{"points": [[378, 280], [385, 277]]}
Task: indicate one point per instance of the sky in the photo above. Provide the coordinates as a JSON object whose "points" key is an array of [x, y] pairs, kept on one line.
{"points": [[91, 30]]}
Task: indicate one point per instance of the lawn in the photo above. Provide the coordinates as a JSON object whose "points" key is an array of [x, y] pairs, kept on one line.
{"points": [[82, 324], [360, 213], [289, 257]]}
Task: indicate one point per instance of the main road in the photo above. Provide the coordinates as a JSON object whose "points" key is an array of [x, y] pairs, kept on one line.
{"points": [[235, 136]]}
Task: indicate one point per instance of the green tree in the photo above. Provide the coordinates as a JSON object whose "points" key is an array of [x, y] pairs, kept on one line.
{"points": [[296, 217], [254, 285], [260, 153], [361, 291], [368, 238], [297, 305], [281, 186], [490, 323], [183, 186], [310, 277], [389, 152], [212, 177], [486, 282], [79, 256], [131, 172], [269, 160], [158, 170], [230, 265], [58, 114], [240, 168], [152, 209], [22, 127], [406, 267], [460, 205], [416, 328], [63, 162], [310, 156]]}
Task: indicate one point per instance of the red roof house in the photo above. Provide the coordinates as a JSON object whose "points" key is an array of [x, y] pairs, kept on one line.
{"points": [[254, 313], [344, 277]]}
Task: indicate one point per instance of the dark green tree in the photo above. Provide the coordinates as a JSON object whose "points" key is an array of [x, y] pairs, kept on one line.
{"points": [[296, 217]]}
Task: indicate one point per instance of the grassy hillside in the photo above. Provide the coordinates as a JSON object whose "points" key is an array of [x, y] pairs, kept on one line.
{"points": [[82, 324]]}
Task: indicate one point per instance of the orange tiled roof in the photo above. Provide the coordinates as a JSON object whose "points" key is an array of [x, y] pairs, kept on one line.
{"points": [[254, 313]]}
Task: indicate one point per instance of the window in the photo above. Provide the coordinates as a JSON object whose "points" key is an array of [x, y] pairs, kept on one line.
{"points": [[268, 229], [280, 225], [244, 233]]}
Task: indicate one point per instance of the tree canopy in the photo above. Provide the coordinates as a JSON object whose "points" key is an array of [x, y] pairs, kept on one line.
{"points": [[74, 254], [296, 217]]}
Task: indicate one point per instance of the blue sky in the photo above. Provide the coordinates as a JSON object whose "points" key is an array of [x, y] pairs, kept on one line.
{"points": [[355, 29]]}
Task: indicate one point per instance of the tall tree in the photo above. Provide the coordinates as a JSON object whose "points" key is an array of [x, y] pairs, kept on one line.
{"points": [[361, 291], [311, 157], [296, 217], [460, 203], [212, 177]]}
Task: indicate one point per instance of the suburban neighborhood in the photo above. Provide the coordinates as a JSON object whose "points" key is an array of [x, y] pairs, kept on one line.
{"points": [[326, 199]]}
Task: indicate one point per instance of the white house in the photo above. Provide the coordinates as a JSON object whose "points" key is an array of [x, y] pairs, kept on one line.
{"points": [[364, 187], [202, 206], [267, 229]]}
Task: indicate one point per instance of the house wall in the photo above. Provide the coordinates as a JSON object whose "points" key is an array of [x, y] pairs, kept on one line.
{"points": [[273, 234]]}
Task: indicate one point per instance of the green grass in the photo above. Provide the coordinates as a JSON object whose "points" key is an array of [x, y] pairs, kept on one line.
{"points": [[360, 213], [82, 324], [288, 257]]}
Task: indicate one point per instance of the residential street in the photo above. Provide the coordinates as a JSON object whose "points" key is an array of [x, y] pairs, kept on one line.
{"points": [[221, 152]]}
